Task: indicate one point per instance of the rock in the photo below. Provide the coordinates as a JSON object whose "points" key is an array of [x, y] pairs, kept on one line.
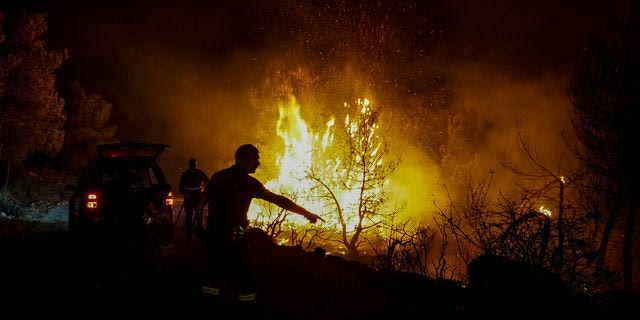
{"points": [[321, 252], [500, 284]]}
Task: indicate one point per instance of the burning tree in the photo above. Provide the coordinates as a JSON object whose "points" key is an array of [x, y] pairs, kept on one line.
{"points": [[354, 183], [342, 171], [291, 167]]}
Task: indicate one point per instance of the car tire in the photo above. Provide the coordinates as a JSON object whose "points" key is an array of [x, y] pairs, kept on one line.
{"points": [[165, 235]]}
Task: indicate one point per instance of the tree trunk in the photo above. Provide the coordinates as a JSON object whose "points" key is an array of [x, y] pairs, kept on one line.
{"points": [[546, 235], [559, 258], [5, 183], [353, 243], [1, 175], [606, 234], [628, 243]]}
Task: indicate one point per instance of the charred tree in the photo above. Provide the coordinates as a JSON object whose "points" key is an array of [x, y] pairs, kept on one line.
{"points": [[548, 187], [605, 97]]}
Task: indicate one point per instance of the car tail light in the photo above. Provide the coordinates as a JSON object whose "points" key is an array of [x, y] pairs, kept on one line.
{"points": [[168, 200], [92, 200]]}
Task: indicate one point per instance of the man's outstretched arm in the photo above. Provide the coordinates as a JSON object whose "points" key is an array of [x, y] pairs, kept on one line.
{"points": [[287, 204]]}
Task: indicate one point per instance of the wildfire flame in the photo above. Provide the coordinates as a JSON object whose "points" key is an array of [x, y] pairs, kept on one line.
{"points": [[545, 211], [306, 151]]}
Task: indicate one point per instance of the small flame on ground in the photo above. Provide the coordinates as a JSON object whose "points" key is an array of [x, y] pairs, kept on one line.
{"points": [[545, 211]]}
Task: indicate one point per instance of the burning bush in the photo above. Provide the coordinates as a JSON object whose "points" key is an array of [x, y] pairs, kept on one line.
{"points": [[341, 174]]}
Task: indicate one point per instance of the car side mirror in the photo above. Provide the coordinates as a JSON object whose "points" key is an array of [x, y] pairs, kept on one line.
{"points": [[70, 187]]}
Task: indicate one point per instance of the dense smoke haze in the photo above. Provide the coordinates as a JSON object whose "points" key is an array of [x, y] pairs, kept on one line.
{"points": [[207, 76], [416, 137]]}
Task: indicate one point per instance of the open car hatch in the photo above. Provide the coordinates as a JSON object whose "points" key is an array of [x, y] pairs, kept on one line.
{"points": [[132, 151]]}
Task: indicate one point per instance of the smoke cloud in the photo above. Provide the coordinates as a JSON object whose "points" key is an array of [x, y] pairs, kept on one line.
{"points": [[206, 77]]}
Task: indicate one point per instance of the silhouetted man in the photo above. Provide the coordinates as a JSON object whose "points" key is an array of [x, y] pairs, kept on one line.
{"points": [[230, 192], [192, 183]]}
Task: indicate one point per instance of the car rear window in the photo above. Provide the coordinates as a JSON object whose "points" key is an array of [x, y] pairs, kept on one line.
{"points": [[137, 176]]}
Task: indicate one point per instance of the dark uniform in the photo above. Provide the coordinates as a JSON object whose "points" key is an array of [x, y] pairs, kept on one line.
{"points": [[230, 192], [191, 186]]}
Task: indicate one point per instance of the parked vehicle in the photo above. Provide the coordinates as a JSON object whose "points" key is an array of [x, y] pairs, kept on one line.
{"points": [[123, 196]]}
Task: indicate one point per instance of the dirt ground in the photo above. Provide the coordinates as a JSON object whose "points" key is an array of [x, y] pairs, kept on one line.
{"points": [[45, 269]]}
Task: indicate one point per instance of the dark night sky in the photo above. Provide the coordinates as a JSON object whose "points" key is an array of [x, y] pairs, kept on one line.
{"points": [[105, 37], [520, 35], [523, 36], [145, 56]]}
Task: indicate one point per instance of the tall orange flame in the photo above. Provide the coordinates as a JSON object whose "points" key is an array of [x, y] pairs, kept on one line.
{"points": [[307, 152]]}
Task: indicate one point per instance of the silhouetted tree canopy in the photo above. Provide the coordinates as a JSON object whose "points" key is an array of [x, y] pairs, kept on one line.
{"points": [[605, 93], [31, 111], [87, 125]]}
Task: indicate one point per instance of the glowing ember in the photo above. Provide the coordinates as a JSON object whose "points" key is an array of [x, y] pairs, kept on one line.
{"points": [[545, 211]]}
